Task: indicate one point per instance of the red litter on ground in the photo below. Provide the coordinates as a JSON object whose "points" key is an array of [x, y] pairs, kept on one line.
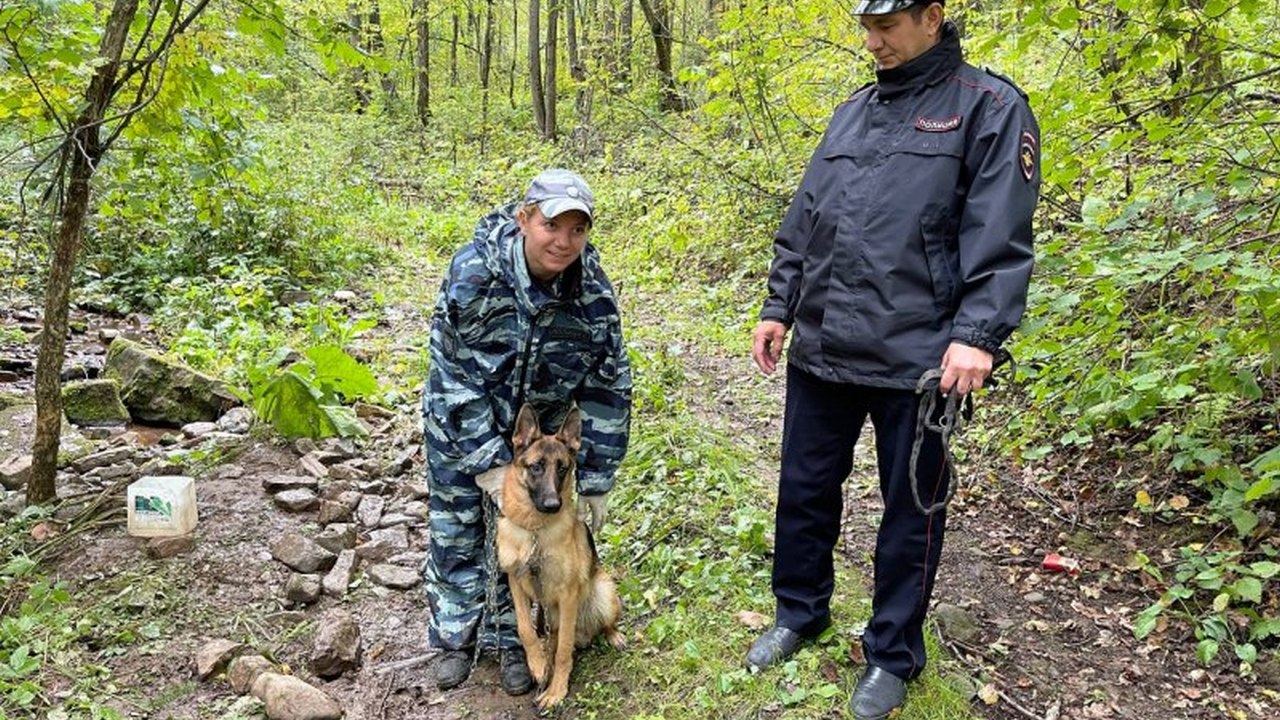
{"points": [[1053, 562]]}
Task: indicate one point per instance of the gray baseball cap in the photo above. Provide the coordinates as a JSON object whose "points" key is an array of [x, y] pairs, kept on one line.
{"points": [[558, 191], [885, 7]]}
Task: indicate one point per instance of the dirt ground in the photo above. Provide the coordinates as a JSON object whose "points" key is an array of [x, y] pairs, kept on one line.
{"points": [[1051, 644]]}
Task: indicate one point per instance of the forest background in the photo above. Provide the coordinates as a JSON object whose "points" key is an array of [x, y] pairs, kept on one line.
{"points": [[197, 161]]}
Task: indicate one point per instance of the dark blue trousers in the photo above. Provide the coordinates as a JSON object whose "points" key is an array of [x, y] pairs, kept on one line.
{"points": [[822, 423]]}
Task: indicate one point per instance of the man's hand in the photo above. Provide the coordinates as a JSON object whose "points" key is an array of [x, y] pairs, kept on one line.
{"points": [[964, 368], [594, 508], [766, 347]]}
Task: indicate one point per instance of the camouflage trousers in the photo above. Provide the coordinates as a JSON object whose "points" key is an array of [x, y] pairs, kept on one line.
{"points": [[459, 556]]}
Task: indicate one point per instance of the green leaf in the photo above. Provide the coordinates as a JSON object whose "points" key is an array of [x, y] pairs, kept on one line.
{"points": [[335, 368], [1146, 620], [290, 404], [1265, 628], [1244, 521], [1264, 569], [1249, 589], [1247, 652], [344, 421], [1221, 602], [1258, 489], [1206, 651]]}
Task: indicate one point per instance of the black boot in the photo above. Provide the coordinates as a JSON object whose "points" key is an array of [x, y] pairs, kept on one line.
{"points": [[453, 668], [513, 672]]}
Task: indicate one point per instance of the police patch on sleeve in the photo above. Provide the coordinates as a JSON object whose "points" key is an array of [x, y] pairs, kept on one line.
{"points": [[1027, 149]]}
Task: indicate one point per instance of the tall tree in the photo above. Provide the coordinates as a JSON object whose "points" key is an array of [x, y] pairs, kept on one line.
{"points": [[535, 67], [422, 62], [549, 86], [81, 152], [658, 14], [576, 68]]}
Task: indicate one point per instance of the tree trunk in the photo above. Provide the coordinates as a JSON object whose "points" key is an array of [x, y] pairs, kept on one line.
{"points": [[422, 68], [535, 68], [607, 50], [576, 69], [658, 13], [549, 89], [359, 76], [625, 41], [453, 52], [486, 46], [85, 148], [515, 43], [375, 45]]}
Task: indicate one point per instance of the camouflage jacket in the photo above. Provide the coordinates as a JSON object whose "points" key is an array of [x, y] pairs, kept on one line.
{"points": [[499, 338]]}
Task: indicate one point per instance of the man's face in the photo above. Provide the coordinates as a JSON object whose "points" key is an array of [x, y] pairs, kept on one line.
{"points": [[552, 244], [901, 37]]}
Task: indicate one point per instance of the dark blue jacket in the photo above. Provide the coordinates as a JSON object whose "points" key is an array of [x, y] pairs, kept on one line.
{"points": [[912, 226]]}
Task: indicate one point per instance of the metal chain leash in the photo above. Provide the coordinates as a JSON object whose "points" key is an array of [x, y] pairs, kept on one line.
{"points": [[489, 613], [957, 411], [948, 423]]}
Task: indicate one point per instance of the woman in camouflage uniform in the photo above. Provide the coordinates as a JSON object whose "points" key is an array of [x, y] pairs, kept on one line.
{"points": [[525, 314]]}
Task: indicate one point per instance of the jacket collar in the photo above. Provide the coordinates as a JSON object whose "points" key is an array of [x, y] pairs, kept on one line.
{"points": [[935, 65]]}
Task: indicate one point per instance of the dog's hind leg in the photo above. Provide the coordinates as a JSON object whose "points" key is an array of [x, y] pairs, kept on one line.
{"points": [[528, 634], [562, 635]]}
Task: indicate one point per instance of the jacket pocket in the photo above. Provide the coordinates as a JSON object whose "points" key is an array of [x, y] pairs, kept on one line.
{"points": [[939, 229]]}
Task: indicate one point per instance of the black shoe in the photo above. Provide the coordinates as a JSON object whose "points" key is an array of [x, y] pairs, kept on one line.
{"points": [[513, 672], [775, 645], [453, 668], [879, 693]]}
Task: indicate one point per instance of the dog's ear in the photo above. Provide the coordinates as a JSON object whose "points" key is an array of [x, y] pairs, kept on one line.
{"points": [[571, 429], [491, 482], [527, 430]]}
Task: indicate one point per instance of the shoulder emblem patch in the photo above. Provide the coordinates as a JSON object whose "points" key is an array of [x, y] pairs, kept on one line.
{"points": [[925, 124], [1027, 149]]}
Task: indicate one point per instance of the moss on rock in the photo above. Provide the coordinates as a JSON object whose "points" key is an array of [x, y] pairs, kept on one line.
{"points": [[94, 402]]}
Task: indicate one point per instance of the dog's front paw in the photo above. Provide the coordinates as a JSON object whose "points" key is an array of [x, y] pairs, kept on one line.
{"points": [[551, 697], [616, 639], [538, 666]]}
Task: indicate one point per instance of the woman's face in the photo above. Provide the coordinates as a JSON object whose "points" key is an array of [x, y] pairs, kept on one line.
{"points": [[552, 244]]}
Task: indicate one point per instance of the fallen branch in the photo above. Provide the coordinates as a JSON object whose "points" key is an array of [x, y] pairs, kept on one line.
{"points": [[407, 663]]}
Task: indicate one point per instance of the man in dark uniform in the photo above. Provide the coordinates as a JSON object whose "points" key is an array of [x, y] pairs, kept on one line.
{"points": [[906, 248]]}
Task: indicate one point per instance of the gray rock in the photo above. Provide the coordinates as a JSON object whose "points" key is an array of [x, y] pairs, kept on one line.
{"points": [[279, 483], [384, 543], [15, 472], [214, 656], [12, 505], [302, 589], [301, 553], [18, 430], [396, 577], [159, 548], [393, 519], [337, 537], [341, 447], [370, 510], [158, 390], [197, 429], [332, 511], [312, 466], [956, 622], [410, 559], [348, 472], [416, 509], [237, 420], [299, 500], [1034, 597], [338, 579], [288, 698], [303, 446], [245, 669], [111, 456], [337, 645], [162, 466], [107, 473], [373, 487], [414, 490]]}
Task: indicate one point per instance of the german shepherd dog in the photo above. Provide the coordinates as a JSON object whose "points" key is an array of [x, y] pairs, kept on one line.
{"points": [[548, 553]]}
